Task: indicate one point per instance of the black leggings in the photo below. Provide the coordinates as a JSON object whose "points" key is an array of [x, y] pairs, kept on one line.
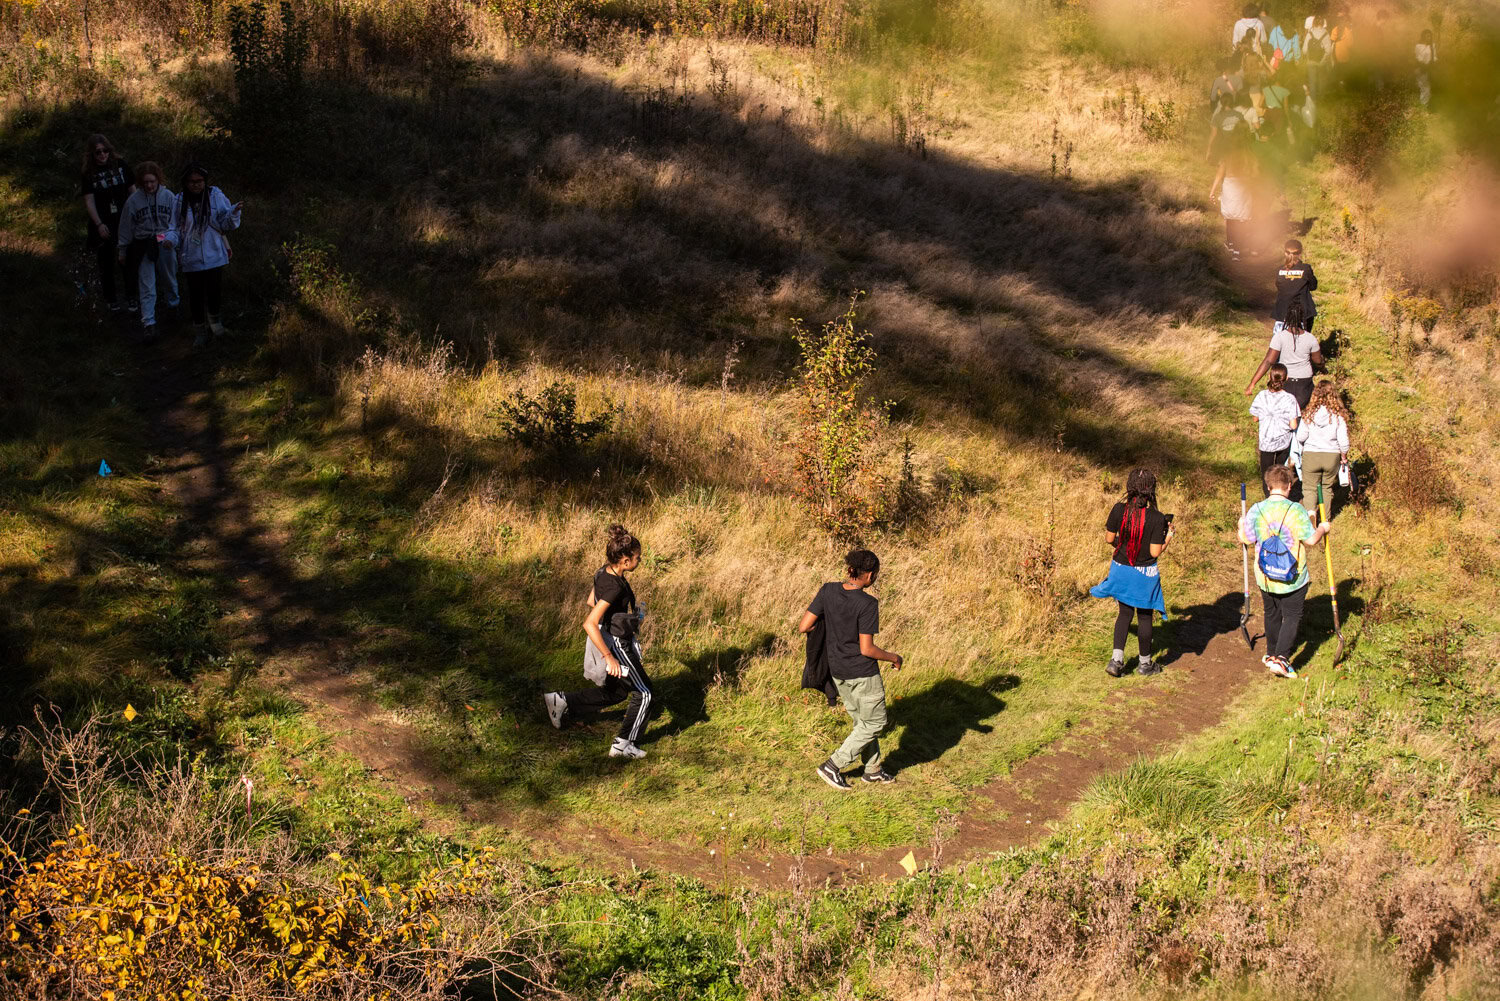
{"points": [[1143, 630], [205, 291]]}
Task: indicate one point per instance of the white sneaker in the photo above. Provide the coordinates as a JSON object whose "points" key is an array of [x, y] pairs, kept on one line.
{"points": [[556, 705], [625, 749]]}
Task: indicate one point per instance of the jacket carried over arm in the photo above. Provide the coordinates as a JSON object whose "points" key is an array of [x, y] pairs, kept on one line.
{"points": [[815, 672]]}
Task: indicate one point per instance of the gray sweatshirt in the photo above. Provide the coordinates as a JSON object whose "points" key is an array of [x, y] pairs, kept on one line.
{"points": [[146, 216], [1325, 432]]}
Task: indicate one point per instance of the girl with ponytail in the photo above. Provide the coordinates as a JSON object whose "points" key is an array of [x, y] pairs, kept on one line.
{"points": [[612, 654], [1139, 534]]}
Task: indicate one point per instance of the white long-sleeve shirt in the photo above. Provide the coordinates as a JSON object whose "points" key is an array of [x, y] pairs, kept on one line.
{"points": [[1324, 432], [147, 216], [1277, 412], [201, 249]]}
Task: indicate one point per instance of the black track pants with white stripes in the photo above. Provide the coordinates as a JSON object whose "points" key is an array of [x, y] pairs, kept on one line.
{"points": [[635, 686]]}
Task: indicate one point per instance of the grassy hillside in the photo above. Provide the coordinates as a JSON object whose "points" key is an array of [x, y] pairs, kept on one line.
{"points": [[322, 567]]}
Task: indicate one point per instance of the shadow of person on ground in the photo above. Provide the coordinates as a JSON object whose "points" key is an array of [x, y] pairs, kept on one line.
{"points": [[935, 720], [1317, 615], [684, 695], [1192, 629]]}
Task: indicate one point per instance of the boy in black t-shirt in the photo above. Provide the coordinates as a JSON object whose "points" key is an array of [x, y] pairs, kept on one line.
{"points": [[852, 619]]}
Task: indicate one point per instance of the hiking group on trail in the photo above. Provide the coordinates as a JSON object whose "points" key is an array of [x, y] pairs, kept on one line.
{"points": [[1265, 101], [137, 224], [1266, 92]]}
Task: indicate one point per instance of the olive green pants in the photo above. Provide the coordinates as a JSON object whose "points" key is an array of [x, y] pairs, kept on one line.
{"points": [[864, 700], [1319, 467]]}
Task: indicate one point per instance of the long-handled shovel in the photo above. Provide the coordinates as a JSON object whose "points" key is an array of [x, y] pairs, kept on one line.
{"points": [[1333, 594], [1245, 561]]}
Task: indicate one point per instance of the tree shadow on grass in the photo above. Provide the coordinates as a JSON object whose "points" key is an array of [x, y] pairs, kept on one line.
{"points": [[935, 720]]}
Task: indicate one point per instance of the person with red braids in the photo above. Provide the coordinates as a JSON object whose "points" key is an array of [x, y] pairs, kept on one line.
{"points": [[1139, 534]]}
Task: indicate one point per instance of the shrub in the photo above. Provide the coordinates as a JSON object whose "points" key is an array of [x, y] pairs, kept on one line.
{"points": [[92, 921], [832, 448], [1412, 472], [548, 423], [267, 63]]}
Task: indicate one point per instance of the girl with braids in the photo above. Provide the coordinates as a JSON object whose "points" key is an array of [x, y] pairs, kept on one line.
{"points": [[203, 216], [1139, 534], [611, 625], [1324, 434]]}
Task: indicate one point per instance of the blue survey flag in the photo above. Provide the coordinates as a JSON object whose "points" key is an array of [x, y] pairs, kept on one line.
{"points": [[104, 469]]}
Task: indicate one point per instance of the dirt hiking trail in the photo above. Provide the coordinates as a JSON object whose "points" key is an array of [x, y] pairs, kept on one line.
{"points": [[289, 627]]}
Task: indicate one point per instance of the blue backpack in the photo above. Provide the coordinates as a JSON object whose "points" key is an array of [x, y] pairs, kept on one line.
{"points": [[1275, 560]]}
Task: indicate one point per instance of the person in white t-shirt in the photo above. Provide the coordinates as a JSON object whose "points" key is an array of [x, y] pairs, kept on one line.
{"points": [[1426, 55], [1297, 350]]}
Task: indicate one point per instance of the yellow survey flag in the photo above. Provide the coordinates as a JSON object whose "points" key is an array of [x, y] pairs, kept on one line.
{"points": [[129, 712], [909, 864]]}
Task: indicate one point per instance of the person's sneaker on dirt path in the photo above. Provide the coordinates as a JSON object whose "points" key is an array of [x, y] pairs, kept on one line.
{"points": [[830, 773], [1115, 667], [1148, 666], [557, 707], [1287, 670], [623, 748], [876, 778], [1273, 664], [148, 332]]}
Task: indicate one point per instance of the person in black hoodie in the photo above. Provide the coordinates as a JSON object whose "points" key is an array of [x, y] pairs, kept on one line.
{"points": [[107, 182], [1295, 282]]}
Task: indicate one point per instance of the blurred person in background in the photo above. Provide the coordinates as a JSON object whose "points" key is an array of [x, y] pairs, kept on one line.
{"points": [[1426, 56], [1233, 187], [1249, 21]]}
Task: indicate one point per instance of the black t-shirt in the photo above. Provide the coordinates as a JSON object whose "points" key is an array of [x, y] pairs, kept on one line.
{"points": [[110, 186], [615, 589], [1295, 284], [846, 613], [1154, 533]]}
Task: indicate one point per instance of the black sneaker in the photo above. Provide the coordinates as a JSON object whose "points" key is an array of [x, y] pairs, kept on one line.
{"points": [[1115, 668], [877, 777], [830, 774], [1148, 667]]}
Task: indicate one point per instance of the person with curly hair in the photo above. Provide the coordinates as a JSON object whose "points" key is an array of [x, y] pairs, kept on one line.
{"points": [[1324, 434]]}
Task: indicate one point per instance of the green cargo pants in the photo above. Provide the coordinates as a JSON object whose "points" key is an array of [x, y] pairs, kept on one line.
{"points": [[864, 700]]}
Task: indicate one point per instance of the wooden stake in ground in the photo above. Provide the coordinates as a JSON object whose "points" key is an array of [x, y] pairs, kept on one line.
{"points": [[1245, 564], [1333, 594]]}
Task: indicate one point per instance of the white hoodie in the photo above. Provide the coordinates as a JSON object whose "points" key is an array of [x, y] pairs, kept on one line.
{"points": [[205, 248], [1325, 432]]}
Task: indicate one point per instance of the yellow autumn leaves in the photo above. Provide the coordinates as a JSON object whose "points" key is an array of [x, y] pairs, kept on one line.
{"points": [[171, 928]]}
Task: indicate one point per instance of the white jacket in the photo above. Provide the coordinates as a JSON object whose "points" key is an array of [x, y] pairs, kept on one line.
{"points": [[201, 249], [145, 216], [1325, 432]]}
